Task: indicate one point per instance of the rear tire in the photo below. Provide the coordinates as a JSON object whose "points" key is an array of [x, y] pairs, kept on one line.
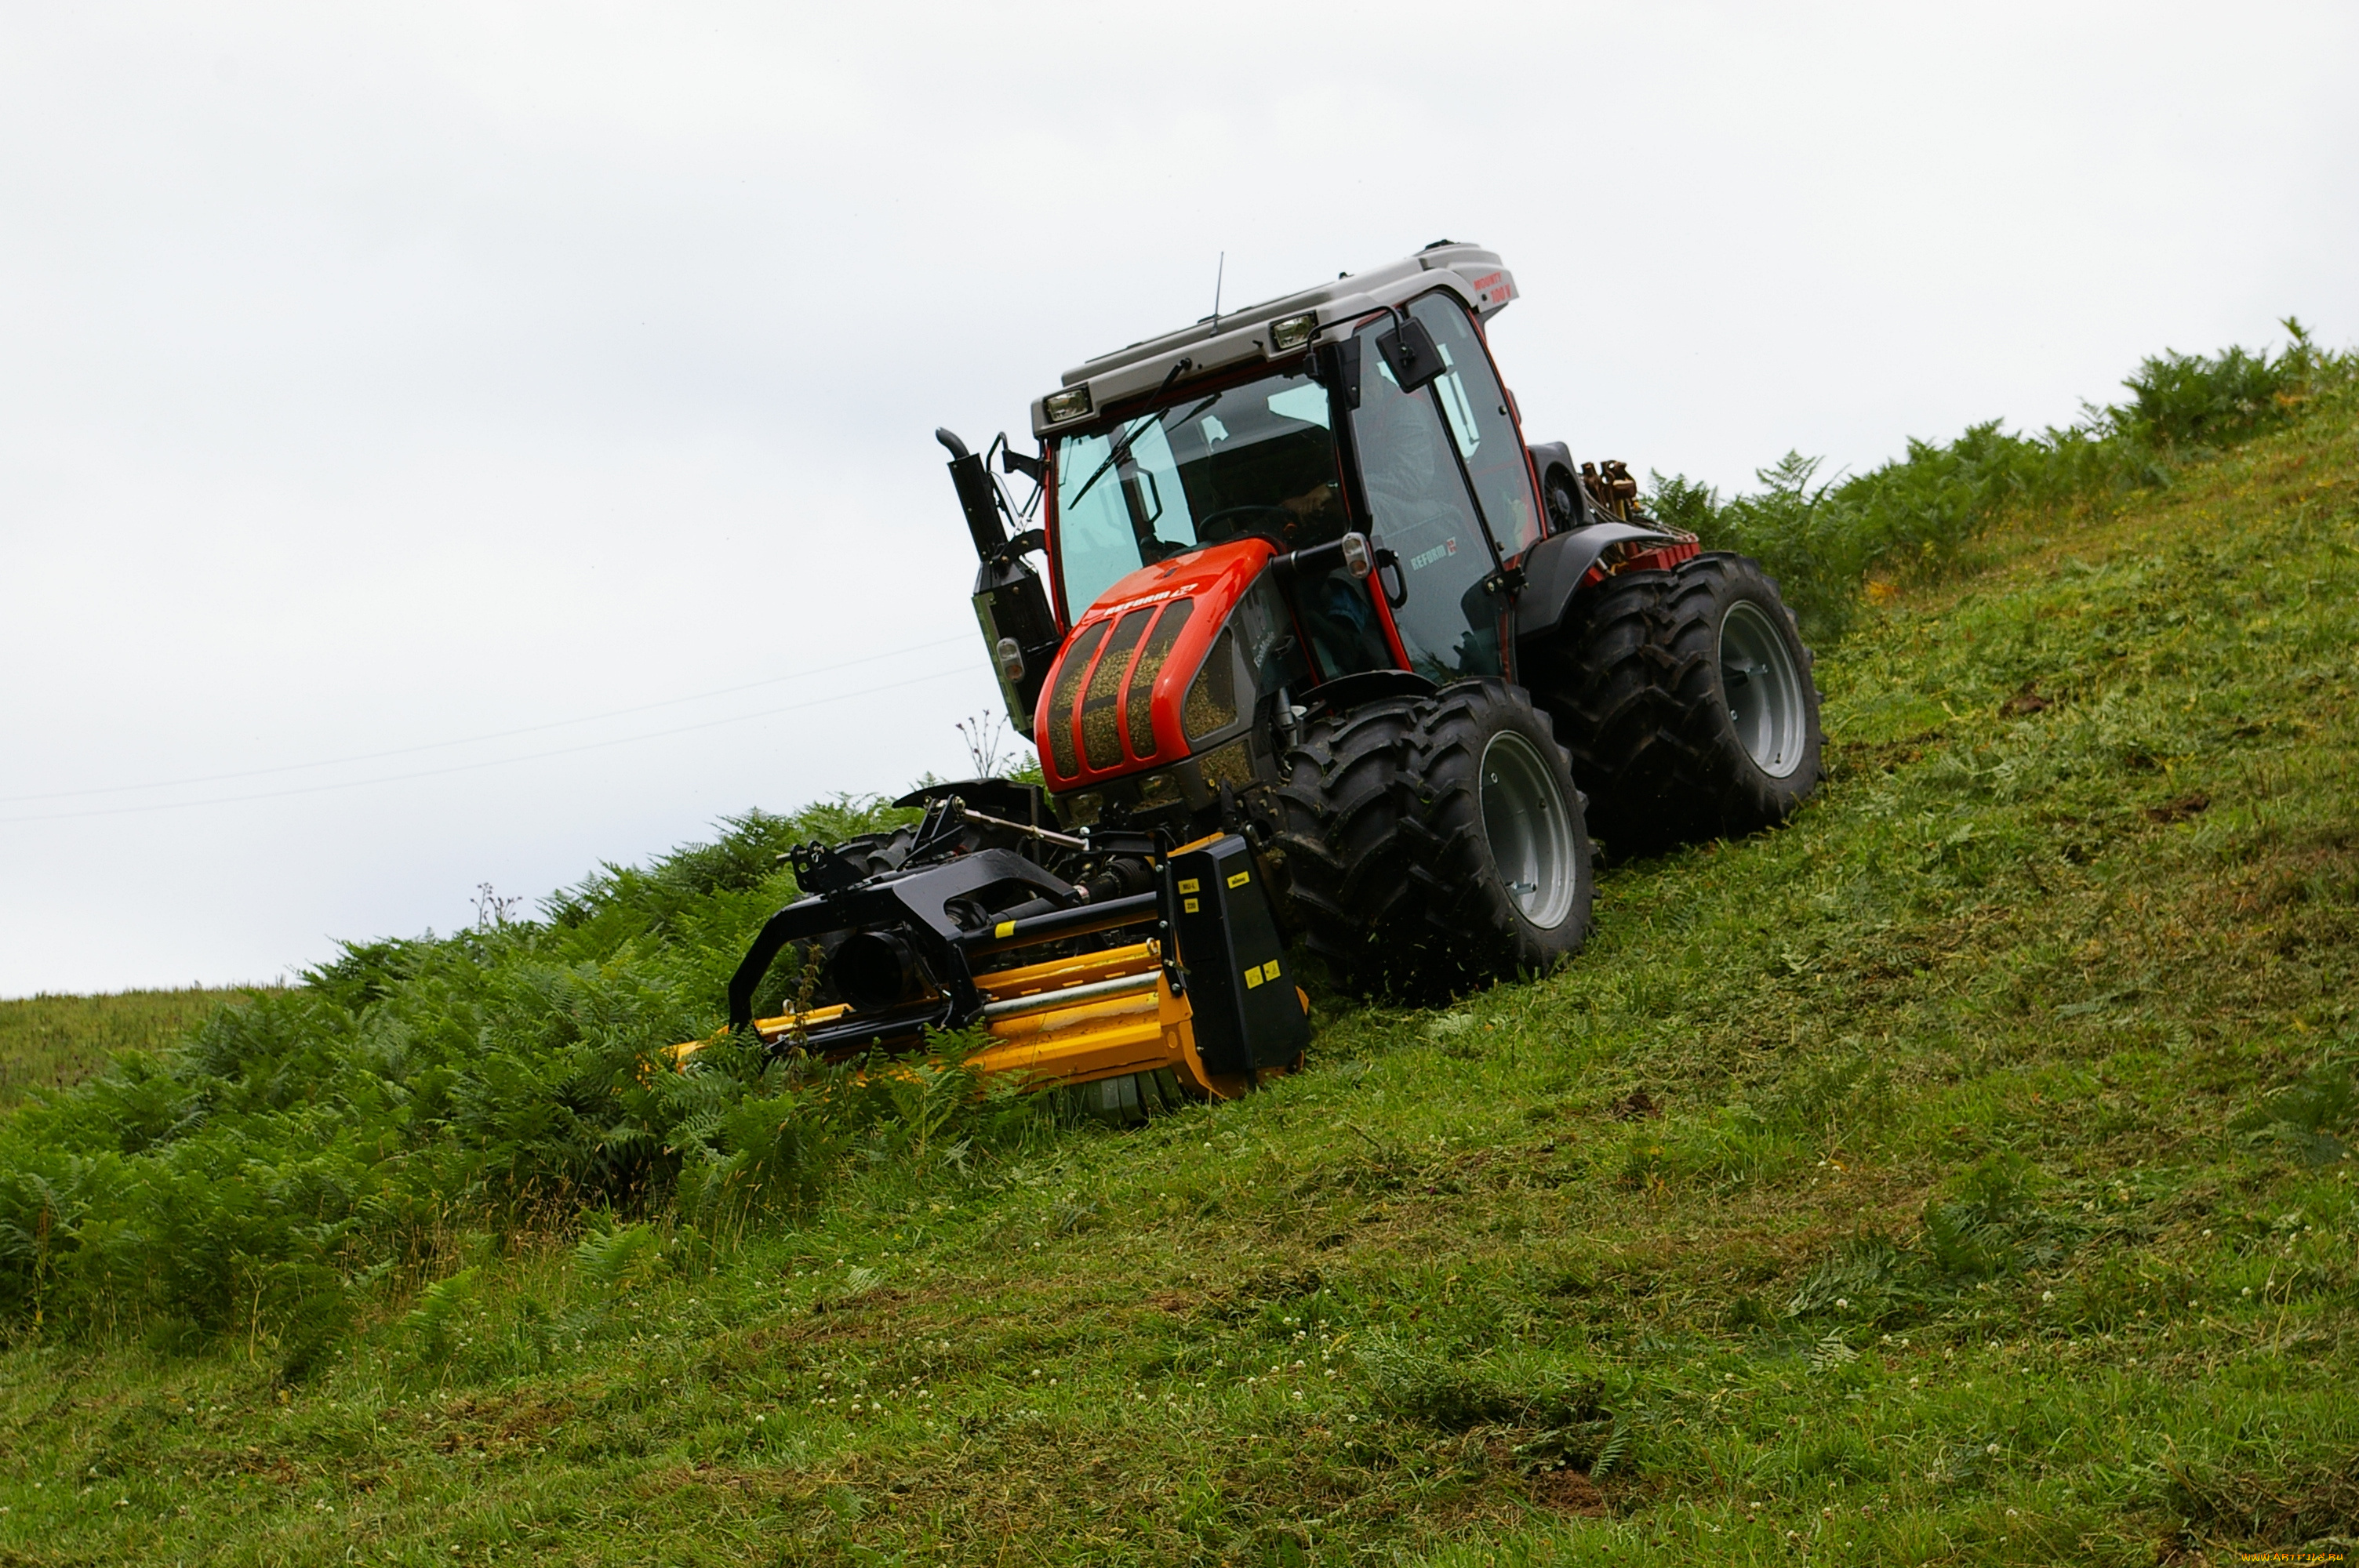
{"points": [[1746, 710], [1500, 880], [1604, 678], [1686, 696]]}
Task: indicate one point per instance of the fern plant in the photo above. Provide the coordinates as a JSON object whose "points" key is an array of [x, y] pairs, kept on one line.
{"points": [[431, 1323]]}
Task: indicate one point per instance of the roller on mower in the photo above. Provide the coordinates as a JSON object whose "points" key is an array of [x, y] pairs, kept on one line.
{"points": [[1320, 657]]}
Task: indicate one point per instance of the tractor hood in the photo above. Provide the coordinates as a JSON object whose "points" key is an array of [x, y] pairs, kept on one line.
{"points": [[1124, 695]]}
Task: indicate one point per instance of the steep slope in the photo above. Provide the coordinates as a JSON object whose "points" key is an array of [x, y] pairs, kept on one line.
{"points": [[1955, 1175]]}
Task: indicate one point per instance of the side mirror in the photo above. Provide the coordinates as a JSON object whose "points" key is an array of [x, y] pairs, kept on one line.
{"points": [[1145, 498], [1411, 354]]}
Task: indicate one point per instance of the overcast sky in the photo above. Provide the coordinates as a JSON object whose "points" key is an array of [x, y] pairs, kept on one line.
{"points": [[451, 443]]}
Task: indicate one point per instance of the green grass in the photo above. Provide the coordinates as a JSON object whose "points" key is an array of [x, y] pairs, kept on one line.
{"points": [[1957, 1175], [56, 1042]]}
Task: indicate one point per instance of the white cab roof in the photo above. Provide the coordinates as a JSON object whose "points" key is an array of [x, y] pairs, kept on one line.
{"points": [[1472, 273]]}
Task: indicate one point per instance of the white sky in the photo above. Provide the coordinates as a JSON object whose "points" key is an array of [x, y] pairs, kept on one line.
{"points": [[378, 377]]}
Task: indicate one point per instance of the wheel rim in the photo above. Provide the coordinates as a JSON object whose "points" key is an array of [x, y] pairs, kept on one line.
{"points": [[1530, 829], [1764, 689]]}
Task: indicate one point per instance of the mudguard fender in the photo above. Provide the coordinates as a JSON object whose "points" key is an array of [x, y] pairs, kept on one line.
{"points": [[1553, 569]]}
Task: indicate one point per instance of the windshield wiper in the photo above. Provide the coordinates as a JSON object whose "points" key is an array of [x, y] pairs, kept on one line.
{"points": [[1121, 448]]}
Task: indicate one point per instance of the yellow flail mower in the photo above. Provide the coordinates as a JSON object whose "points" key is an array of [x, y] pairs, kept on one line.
{"points": [[1141, 972]]}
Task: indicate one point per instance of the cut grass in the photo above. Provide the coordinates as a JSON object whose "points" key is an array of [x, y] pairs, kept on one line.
{"points": [[56, 1042], [1957, 1175]]}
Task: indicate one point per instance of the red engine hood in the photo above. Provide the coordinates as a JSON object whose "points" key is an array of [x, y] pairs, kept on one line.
{"points": [[1110, 704]]}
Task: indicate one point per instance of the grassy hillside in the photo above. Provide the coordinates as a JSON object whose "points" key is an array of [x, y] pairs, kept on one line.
{"points": [[1957, 1175], [56, 1042]]}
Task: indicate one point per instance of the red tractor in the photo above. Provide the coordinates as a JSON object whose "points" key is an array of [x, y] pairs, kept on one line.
{"points": [[1306, 597], [1305, 578]]}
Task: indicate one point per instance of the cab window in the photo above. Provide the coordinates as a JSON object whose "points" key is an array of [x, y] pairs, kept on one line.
{"points": [[1257, 458], [1432, 553], [1476, 409]]}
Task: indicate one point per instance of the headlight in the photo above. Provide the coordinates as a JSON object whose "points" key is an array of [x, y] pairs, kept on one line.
{"points": [[1358, 559], [1064, 408], [1291, 332]]}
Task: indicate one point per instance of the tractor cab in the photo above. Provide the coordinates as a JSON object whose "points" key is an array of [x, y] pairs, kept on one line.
{"points": [[1322, 487]]}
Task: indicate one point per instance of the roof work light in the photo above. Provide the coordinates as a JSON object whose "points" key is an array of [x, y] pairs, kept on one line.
{"points": [[1291, 332]]}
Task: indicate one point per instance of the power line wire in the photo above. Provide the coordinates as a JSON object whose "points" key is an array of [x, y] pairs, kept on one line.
{"points": [[492, 763], [468, 741]]}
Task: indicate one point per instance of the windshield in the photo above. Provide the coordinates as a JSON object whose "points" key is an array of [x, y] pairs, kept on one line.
{"points": [[1256, 459]]}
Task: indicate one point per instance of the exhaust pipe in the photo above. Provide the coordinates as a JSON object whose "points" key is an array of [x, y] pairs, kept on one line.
{"points": [[1020, 635]]}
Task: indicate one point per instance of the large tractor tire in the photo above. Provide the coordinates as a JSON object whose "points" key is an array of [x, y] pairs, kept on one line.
{"points": [[1686, 697], [1604, 678], [1499, 872], [1340, 837]]}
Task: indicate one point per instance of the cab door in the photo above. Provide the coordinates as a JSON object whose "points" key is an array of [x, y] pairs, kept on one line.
{"points": [[1436, 564], [1474, 406]]}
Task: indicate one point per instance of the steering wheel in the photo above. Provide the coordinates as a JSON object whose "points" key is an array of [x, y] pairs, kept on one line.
{"points": [[1207, 534]]}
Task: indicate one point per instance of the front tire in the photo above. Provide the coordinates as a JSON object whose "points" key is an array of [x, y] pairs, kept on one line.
{"points": [[1340, 839], [1500, 880]]}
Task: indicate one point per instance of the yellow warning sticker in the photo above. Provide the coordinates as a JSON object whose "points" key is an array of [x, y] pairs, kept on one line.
{"points": [[1253, 977], [1188, 885], [1005, 928], [1240, 880], [1188, 906], [1270, 970]]}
